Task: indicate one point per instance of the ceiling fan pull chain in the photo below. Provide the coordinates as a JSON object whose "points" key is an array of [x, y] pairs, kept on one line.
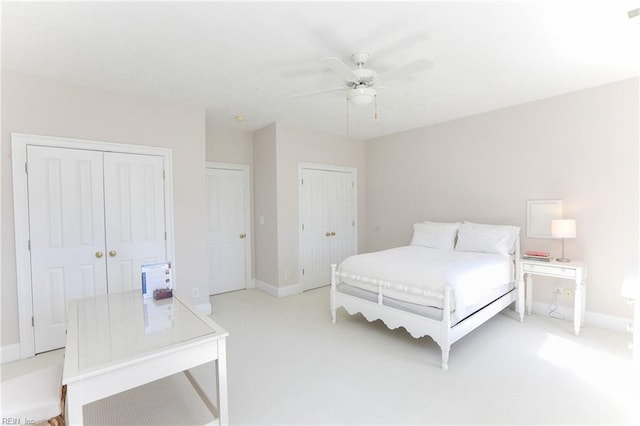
{"points": [[347, 99], [375, 102]]}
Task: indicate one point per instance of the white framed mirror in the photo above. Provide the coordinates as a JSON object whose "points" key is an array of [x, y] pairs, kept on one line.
{"points": [[540, 213]]}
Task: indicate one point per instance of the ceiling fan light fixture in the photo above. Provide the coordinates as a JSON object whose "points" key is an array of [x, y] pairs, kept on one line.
{"points": [[361, 95]]}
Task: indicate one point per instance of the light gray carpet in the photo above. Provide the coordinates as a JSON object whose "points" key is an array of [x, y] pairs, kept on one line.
{"points": [[287, 364]]}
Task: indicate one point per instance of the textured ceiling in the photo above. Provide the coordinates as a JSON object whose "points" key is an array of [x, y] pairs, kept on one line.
{"points": [[249, 58]]}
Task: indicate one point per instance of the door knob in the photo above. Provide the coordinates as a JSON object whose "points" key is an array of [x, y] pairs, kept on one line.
{"points": [[333, 234], [99, 254], [112, 253], [243, 235], [328, 234]]}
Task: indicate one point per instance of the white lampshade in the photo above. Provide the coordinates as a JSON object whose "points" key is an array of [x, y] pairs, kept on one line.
{"points": [[563, 228], [361, 95]]}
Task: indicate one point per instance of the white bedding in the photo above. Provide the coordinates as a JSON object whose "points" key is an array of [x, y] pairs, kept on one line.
{"points": [[418, 274]]}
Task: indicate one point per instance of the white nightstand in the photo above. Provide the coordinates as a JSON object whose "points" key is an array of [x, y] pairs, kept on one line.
{"points": [[573, 270]]}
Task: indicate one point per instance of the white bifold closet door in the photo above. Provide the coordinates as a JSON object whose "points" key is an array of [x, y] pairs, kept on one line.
{"points": [[327, 234], [94, 218]]}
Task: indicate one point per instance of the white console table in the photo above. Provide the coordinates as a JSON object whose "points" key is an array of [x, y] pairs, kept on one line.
{"points": [[119, 341], [573, 270]]}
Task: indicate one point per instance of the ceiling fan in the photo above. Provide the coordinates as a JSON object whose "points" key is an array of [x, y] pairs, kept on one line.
{"points": [[361, 83]]}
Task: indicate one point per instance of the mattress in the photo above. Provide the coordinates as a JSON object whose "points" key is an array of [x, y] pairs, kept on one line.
{"points": [[414, 278]]}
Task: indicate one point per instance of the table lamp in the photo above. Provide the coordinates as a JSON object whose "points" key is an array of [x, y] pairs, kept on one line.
{"points": [[563, 228]]}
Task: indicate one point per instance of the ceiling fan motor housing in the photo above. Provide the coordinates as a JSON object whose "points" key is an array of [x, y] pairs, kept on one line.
{"points": [[365, 76]]}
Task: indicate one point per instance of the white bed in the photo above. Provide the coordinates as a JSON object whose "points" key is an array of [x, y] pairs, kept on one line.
{"points": [[452, 278]]}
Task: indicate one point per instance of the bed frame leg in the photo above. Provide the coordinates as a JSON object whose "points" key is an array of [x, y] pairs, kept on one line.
{"points": [[332, 293], [445, 333], [445, 359]]}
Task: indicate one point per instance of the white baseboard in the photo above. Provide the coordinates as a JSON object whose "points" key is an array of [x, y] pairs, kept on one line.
{"points": [[10, 353], [276, 291], [596, 319]]}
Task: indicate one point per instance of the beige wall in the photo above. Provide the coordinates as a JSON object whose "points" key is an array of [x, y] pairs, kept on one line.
{"points": [[581, 147], [295, 145], [228, 145], [265, 205], [39, 106]]}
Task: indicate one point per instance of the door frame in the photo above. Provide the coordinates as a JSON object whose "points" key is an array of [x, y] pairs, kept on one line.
{"points": [[248, 250], [329, 168], [19, 144]]}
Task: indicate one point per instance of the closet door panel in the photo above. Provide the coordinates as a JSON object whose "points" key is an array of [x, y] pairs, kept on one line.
{"points": [[134, 217], [342, 204], [66, 231], [315, 218]]}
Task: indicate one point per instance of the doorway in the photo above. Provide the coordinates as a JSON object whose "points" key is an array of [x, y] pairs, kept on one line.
{"points": [[228, 227], [87, 215]]}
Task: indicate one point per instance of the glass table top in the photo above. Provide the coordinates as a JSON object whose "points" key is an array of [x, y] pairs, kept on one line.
{"points": [[118, 327]]}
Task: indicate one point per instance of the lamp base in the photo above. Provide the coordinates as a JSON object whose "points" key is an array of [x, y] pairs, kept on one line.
{"points": [[563, 260]]}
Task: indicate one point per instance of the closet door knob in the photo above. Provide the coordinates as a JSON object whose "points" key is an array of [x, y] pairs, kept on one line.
{"points": [[99, 254], [328, 234], [243, 235], [112, 253], [333, 234]]}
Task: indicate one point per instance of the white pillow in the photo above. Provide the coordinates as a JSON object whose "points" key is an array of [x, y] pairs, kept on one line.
{"points": [[435, 235], [498, 239]]}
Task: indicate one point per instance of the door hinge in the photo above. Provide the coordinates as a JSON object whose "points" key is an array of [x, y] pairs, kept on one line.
{"points": [[26, 168], [302, 271], [353, 184], [29, 245], [302, 182], [163, 175], [353, 223], [165, 235], [303, 226], [33, 322]]}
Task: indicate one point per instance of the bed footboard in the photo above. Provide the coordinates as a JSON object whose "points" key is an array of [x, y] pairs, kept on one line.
{"points": [[417, 326]]}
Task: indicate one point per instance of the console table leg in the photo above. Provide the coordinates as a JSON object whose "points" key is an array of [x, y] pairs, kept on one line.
{"points": [[577, 308], [529, 298]]}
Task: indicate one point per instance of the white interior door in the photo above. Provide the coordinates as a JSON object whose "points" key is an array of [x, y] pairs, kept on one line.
{"points": [[67, 236], [134, 217], [228, 230], [327, 222]]}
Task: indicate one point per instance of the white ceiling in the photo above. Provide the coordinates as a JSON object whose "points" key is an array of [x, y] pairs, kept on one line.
{"points": [[249, 58]]}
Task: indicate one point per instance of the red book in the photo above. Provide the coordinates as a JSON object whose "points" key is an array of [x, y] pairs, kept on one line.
{"points": [[536, 253]]}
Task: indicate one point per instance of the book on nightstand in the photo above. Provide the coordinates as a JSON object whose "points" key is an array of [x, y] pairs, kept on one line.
{"points": [[542, 256]]}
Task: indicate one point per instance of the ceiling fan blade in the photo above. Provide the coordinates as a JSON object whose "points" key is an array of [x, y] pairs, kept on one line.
{"points": [[411, 67], [318, 92], [340, 67]]}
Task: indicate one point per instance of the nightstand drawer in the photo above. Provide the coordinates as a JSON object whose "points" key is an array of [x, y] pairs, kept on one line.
{"points": [[556, 271]]}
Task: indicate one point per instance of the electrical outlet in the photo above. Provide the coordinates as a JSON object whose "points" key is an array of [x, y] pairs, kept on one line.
{"points": [[286, 275], [558, 290], [195, 292]]}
